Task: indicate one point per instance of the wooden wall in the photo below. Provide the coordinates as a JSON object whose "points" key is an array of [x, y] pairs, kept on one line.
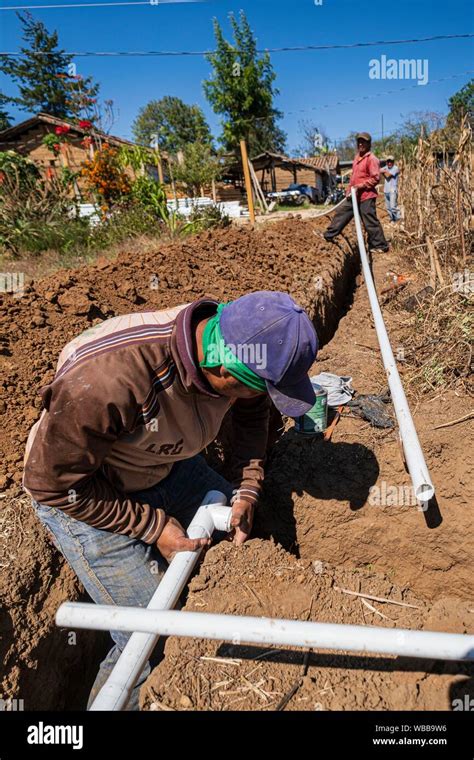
{"points": [[283, 178]]}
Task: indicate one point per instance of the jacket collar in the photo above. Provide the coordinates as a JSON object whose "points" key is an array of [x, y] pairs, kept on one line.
{"points": [[358, 158], [182, 341]]}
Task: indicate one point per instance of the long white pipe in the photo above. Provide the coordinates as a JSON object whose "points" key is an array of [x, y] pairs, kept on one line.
{"points": [[414, 457], [115, 693], [260, 630]]}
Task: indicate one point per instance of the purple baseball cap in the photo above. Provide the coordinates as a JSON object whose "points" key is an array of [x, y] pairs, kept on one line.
{"points": [[274, 338]]}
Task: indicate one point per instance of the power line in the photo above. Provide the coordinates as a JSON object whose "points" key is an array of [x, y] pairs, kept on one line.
{"points": [[96, 5], [380, 94], [300, 48], [358, 99]]}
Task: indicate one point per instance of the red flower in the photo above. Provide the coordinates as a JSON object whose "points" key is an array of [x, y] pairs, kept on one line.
{"points": [[85, 124], [63, 129]]}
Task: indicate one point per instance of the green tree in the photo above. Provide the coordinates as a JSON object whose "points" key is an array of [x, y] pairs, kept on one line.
{"points": [[242, 90], [45, 74], [4, 117], [462, 104], [170, 124], [198, 168]]}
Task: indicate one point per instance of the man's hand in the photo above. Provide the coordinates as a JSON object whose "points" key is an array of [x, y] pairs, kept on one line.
{"points": [[242, 520], [173, 539]]}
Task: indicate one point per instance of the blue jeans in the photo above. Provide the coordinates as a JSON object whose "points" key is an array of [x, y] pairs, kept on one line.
{"points": [[391, 205], [116, 569]]}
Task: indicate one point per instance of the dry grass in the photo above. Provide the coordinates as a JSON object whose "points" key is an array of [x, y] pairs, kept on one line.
{"points": [[437, 198]]}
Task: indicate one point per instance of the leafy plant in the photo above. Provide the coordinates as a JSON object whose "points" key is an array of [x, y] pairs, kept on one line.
{"points": [[34, 214], [209, 216], [13, 164], [106, 178], [174, 224], [149, 194]]}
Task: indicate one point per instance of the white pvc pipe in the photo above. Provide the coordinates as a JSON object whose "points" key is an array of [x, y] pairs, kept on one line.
{"points": [[115, 693], [329, 210], [422, 485], [260, 630]]}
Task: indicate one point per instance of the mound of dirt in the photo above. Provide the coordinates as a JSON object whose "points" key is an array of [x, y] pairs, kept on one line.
{"points": [[262, 579]]}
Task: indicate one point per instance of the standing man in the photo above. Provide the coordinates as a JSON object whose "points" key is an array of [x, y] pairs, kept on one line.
{"points": [[391, 172], [364, 179], [113, 465]]}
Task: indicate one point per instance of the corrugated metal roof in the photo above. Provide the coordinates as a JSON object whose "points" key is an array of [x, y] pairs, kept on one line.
{"points": [[278, 159], [328, 162]]}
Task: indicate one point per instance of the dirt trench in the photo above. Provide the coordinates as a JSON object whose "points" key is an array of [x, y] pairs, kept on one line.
{"points": [[322, 538], [49, 668], [316, 531]]}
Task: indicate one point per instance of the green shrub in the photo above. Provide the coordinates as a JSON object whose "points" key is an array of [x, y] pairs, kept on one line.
{"points": [[208, 216], [149, 194]]}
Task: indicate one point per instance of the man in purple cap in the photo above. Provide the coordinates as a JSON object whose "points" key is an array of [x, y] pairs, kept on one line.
{"points": [[113, 466]]}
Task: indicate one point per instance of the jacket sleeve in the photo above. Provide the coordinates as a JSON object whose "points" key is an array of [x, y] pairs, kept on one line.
{"points": [[250, 418], [64, 468], [373, 167]]}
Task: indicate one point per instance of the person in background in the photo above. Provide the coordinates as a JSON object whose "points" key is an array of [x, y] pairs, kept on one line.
{"points": [[364, 178], [391, 172]]}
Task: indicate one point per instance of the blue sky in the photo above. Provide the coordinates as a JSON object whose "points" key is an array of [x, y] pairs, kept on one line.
{"points": [[308, 81]]}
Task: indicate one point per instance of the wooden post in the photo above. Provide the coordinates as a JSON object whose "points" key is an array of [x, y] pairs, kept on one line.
{"points": [[159, 166], [173, 184], [248, 184], [258, 190]]}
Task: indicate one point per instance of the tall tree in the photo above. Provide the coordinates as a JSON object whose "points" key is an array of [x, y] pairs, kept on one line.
{"points": [[4, 117], [242, 90], [170, 124], [45, 74], [462, 104], [199, 167]]}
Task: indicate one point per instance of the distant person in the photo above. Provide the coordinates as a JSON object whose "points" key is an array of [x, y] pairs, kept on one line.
{"points": [[391, 172], [364, 179]]}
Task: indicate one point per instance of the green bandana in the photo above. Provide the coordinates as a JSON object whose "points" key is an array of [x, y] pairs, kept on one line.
{"points": [[216, 353]]}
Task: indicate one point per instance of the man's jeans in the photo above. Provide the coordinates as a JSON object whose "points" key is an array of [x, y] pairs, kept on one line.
{"points": [[391, 205], [116, 569], [368, 212]]}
